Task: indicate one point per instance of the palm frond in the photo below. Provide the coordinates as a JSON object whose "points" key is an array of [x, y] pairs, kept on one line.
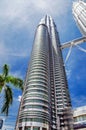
{"points": [[2, 82], [5, 70], [8, 79], [1, 88], [5, 80], [20, 82], [17, 82], [8, 99]]}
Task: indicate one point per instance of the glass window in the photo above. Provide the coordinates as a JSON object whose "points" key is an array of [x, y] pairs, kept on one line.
{"points": [[36, 101], [36, 128], [27, 128], [44, 96], [36, 107], [44, 129], [36, 90], [33, 120]]}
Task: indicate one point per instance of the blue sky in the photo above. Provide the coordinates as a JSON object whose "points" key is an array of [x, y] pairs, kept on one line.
{"points": [[18, 22]]}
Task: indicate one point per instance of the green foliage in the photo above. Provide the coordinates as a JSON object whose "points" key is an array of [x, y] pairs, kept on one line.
{"points": [[8, 100], [5, 81], [5, 70]]}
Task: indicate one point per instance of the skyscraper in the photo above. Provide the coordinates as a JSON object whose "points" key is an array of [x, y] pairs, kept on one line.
{"points": [[79, 12], [45, 103]]}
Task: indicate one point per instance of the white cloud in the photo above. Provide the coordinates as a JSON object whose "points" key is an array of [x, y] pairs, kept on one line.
{"points": [[10, 127], [5, 51], [68, 72], [3, 48], [7, 54], [12, 57], [17, 74], [19, 98], [17, 14], [24, 12]]}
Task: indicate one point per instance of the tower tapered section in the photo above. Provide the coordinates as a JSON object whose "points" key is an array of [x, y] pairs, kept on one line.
{"points": [[45, 102], [79, 12]]}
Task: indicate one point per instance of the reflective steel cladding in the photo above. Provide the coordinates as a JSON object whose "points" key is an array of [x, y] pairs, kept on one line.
{"points": [[45, 103]]}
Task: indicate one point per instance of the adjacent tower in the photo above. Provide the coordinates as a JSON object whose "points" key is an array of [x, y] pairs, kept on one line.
{"points": [[79, 12], [45, 103]]}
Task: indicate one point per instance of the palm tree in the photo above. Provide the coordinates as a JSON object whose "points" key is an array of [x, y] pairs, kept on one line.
{"points": [[5, 84]]}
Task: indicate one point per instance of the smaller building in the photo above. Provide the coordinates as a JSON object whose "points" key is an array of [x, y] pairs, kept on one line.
{"points": [[80, 118]]}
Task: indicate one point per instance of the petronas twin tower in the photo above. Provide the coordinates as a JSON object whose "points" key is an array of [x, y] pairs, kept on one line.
{"points": [[79, 12], [45, 103]]}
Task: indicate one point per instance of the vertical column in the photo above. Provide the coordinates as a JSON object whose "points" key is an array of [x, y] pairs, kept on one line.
{"points": [[22, 127], [40, 128]]}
